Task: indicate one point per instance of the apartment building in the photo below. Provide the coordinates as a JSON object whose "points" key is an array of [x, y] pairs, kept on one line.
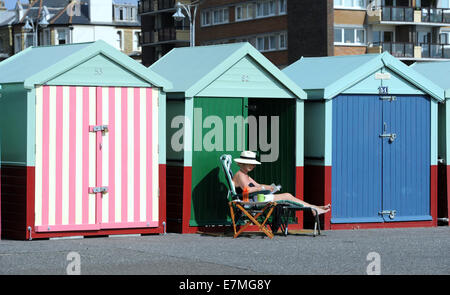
{"points": [[160, 32], [412, 30], [286, 30], [263, 23]]}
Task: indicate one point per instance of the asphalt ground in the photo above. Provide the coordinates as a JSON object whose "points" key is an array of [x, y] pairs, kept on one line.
{"points": [[408, 251]]}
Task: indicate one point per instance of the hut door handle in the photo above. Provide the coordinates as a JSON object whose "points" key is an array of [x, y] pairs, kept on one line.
{"points": [[391, 136]]}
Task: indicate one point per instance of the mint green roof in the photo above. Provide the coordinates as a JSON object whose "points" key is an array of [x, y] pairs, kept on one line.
{"points": [[38, 65], [438, 72], [326, 77], [192, 69]]}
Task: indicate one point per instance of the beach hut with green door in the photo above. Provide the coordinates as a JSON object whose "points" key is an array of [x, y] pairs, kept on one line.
{"points": [[225, 99]]}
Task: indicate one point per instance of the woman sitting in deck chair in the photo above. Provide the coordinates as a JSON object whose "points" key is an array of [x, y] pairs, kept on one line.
{"points": [[247, 162]]}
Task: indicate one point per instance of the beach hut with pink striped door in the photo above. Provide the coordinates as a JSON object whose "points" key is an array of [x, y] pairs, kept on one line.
{"points": [[83, 143]]}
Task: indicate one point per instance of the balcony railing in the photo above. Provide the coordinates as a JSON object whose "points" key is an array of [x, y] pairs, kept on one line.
{"points": [[399, 14], [397, 49], [430, 50], [435, 15], [145, 6]]}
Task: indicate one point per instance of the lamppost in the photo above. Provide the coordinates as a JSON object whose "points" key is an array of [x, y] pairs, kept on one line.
{"points": [[30, 26], [179, 16]]}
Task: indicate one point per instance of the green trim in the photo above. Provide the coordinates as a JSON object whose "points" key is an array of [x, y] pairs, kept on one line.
{"points": [[83, 55], [300, 133], [328, 132], [188, 131], [434, 133]]}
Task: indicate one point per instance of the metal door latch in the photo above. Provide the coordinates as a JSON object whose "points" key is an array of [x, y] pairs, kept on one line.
{"points": [[391, 213], [99, 189], [97, 128], [391, 136]]}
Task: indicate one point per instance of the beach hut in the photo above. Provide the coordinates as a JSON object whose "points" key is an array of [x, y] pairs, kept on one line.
{"points": [[226, 98], [439, 73], [81, 125], [370, 140]]}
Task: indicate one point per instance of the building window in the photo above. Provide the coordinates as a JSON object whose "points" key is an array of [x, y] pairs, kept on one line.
{"points": [[382, 36], [358, 4], [220, 16], [265, 8], [271, 42], [125, 13], [349, 36], [282, 6], [46, 37], [62, 36], [136, 46], [206, 18], [119, 40], [215, 16], [283, 41], [244, 11], [17, 43], [29, 40]]}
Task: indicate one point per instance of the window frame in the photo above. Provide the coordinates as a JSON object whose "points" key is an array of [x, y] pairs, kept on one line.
{"points": [[355, 30], [353, 6]]}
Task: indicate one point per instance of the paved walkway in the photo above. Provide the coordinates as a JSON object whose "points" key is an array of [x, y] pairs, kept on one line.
{"points": [[398, 251]]}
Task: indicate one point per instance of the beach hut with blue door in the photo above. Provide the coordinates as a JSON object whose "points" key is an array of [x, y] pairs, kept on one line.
{"points": [[80, 128], [370, 140], [439, 73], [224, 99]]}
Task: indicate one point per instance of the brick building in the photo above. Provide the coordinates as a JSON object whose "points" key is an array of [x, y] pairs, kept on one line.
{"points": [[285, 30]]}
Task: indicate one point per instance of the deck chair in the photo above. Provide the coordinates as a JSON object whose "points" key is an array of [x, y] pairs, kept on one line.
{"points": [[240, 210], [253, 210]]}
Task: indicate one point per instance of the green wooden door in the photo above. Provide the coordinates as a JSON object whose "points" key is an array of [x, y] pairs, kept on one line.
{"points": [[209, 189]]}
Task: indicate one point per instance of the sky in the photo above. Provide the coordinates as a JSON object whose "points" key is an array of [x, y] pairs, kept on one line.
{"points": [[10, 4]]}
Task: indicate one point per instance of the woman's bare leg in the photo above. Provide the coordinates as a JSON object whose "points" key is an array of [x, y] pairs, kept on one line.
{"points": [[289, 197]]}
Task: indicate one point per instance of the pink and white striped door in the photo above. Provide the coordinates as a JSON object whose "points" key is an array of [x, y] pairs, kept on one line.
{"points": [[72, 159]]}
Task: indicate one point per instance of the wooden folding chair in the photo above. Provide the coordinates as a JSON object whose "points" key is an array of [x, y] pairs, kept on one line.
{"points": [[251, 211], [254, 210]]}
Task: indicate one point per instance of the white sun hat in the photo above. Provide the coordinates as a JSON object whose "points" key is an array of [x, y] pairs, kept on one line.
{"points": [[247, 157]]}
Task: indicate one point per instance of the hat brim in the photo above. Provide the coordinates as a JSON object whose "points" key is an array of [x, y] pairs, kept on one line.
{"points": [[247, 161]]}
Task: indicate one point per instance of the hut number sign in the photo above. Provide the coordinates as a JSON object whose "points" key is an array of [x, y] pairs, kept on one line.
{"points": [[245, 78], [383, 90]]}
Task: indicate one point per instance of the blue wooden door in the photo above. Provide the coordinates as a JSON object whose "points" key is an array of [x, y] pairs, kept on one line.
{"points": [[373, 173], [356, 159], [406, 159]]}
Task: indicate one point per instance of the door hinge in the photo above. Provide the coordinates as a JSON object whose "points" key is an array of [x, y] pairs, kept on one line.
{"points": [[388, 98]]}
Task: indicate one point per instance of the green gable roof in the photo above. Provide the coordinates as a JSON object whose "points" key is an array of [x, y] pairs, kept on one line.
{"points": [[39, 65], [438, 72], [326, 77], [192, 69]]}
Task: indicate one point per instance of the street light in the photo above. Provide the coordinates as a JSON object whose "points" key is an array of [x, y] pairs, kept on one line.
{"points": [[31, 27], [179, 16]]}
